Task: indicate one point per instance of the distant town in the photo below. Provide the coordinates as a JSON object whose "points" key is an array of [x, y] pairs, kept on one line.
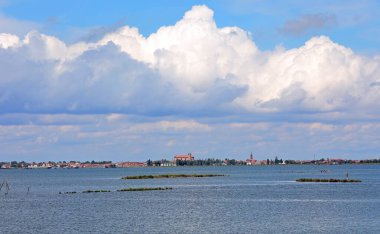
{"points": [[180, 160]]}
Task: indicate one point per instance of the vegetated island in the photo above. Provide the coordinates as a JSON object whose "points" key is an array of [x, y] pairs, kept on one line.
{"points": [[96, 191], [140, 177], [143, 189], [328, 180], [87, 191], [68, 192], [121, 190]]}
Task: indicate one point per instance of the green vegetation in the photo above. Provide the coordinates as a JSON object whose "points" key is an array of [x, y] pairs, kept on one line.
{"points": [[143, 189], [67, 192], [98, 162], [96, 191], [139, 177], [198, 162], [328, 180], [209, 162], [370, 161], [121, 190]]}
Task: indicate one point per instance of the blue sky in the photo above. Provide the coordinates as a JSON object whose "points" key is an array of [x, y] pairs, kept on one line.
{"points": [[353, 23], [133, 80]]}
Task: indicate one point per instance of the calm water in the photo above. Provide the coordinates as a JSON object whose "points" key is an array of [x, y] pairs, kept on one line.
{"points": [[248, 200]]}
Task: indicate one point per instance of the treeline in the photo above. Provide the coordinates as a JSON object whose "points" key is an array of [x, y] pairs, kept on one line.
{"points": [[210, 162], [197, 162], [14, 164], [98, 162], [370, 161], [276, 161], [333, 161]]}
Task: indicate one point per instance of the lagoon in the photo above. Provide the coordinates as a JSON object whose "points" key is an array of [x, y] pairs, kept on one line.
{"points": [[257, 199]]}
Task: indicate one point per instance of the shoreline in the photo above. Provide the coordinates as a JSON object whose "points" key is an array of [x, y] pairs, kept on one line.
{"points": [[197, 166]]}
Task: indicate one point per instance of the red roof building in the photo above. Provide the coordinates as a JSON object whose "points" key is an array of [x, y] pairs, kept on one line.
{"points": [[251, 160], [183, 157]]}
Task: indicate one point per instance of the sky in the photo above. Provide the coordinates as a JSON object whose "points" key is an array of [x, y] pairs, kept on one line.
{"points": [[138, 80]]}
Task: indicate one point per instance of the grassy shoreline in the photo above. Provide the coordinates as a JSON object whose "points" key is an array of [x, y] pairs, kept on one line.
{"points": [[328, 180], [143, 189], [120, 190], [141, 177], [96, 191]]}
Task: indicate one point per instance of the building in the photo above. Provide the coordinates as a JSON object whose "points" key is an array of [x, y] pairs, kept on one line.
{"points": [[6, 166], [251, 160], [167, 163], [183, 157], [131, 164]]}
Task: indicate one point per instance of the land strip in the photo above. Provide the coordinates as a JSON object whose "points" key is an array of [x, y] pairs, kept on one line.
{"points": [[140, 177]]}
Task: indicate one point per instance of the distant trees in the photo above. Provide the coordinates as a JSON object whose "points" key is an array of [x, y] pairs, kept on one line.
{"points": [[95, 162], [200, 162], [276, 161], [370, 161], [290, 162], [210, 162], [14, 164]]}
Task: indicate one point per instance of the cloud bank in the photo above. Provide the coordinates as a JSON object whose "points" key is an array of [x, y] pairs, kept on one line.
{"points": [[190, 68]]}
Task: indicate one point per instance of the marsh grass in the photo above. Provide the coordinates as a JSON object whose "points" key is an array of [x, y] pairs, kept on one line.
{"points": [[67, 192], [120, 190], [96, 191], [328, 180], [143, 189], [140, 177]]}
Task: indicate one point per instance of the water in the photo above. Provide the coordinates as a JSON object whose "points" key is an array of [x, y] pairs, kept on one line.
{"points": [[247, 200]]}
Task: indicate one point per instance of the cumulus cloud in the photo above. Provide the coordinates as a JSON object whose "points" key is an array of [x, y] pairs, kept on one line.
{"points": [[190, 68], [8, 40], [319, 76], [308, 22]]}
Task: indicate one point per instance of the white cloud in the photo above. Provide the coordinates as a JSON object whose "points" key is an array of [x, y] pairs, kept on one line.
{"points": [[320, 76], [115, 117], [190, 68], [8, 40]]}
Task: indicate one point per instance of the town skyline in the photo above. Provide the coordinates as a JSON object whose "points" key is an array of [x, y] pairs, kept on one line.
{"points": [[182, 160]]}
